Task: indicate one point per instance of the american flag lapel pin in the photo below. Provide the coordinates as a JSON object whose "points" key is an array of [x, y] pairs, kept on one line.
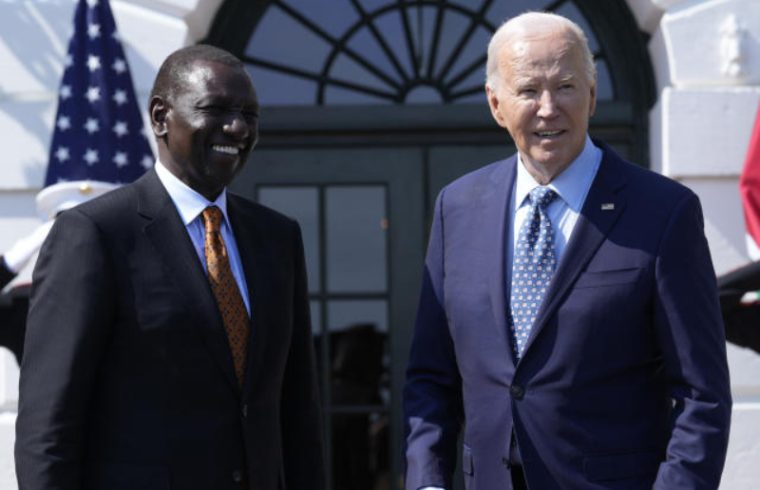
{"points": [[608, 206]]}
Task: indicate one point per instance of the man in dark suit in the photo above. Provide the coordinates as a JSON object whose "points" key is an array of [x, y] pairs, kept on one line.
{"points": [[568, 317], [169, 343]]}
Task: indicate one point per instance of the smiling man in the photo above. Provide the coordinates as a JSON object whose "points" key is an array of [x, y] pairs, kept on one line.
{"points": [[168, 341], [569, 318]]}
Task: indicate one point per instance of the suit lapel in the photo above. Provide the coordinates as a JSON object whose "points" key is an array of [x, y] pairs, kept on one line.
{"points": [[495, 208], [603, 206], [169, 236], [252, 256]]}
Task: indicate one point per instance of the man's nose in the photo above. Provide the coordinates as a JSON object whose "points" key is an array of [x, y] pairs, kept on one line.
{"points": [[547, 104], [236, 126]]}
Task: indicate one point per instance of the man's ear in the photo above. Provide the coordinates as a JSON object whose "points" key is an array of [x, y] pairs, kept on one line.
{"points": [[493, 104], [158, 109]]}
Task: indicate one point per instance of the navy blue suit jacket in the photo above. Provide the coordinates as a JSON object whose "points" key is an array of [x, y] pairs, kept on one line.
{"points": [[624, 381]]}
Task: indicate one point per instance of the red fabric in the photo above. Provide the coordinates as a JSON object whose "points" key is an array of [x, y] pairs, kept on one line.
{"points": [[749, 184]]}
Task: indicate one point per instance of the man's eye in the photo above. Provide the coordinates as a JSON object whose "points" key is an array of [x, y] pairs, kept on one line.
{"points": [[527, 91]]}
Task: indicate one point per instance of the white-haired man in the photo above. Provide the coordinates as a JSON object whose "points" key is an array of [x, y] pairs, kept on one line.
{"points": [[568, 317]]}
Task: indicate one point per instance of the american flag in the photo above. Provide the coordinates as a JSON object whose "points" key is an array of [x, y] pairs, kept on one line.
{"points": [[98, 131]]}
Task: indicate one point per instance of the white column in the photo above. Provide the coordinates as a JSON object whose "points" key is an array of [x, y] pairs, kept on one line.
{"points": [[706, 56]]}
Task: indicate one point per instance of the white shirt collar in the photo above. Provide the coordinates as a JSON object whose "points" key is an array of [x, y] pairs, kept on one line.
{"points": [[571, 185], [189, 202]]}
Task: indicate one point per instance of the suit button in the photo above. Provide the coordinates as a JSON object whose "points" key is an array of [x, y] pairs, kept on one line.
{"points": [[244, 411], [237, 476], [505, 462], [517, 392]]}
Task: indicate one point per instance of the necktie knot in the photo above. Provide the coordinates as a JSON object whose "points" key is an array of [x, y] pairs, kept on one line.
{"points": [[541, 197], [212, 218]]}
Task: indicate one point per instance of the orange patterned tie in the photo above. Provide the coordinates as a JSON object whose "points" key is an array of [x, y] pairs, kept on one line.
{"points": [[225, 289]]}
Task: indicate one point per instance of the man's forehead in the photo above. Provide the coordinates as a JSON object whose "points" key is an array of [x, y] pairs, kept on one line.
{"points": [[539, 53], [197, 73], [204, 76]]}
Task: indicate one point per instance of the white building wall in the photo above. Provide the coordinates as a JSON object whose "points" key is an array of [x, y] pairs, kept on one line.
{"points": [[706, 56], [708, 77]]}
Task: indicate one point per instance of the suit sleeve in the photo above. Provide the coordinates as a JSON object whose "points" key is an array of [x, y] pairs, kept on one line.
{"points": [[301, 413], [690, 332], [433, 410], [69, 319]]}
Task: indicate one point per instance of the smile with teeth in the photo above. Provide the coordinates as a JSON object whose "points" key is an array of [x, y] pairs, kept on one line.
{"points": [[548, 134], [229, 150]]}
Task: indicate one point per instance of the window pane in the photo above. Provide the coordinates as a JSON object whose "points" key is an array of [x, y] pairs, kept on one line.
{"points": [[356, 244], [301, 204], [335, 20], [316, 317], [357, 314], [299, 48], [347, 70], [276, 88], [604, 90], [360, 425]]}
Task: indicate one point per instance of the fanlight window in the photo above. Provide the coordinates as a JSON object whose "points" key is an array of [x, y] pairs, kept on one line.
{"points": [[306, 52]]}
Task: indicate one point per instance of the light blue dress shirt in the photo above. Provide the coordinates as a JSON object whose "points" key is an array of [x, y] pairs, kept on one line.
{"points": [[190, 204], [571, 186]]}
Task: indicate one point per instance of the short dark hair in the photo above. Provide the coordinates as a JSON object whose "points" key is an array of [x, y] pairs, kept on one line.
{"points": [[179, 62]]}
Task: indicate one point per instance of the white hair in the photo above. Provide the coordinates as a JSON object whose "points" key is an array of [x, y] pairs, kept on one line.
{"points": [[528, 22]]}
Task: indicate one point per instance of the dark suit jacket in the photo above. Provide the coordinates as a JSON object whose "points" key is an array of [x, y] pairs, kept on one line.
{"points": [[6, 275], [127, 379], [13, 307], [623, 383]]}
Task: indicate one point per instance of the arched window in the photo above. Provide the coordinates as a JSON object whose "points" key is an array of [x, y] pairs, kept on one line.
{"points": [[303, 52]]}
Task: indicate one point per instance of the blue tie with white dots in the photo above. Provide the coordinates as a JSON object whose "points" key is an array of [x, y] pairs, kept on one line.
{"points": [[533, 263]]}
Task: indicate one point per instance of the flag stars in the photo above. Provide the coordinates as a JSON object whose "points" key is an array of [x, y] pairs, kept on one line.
{"points": [[120, 159], [119, 66], [92, 125], [93, 94], [97, 127], [63, 123], [62, 154], [120, 97], [91, 157], [93, 31], [120, 128], [93, 63]]}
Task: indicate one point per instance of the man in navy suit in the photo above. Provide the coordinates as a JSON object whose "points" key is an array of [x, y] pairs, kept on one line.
{"points": [[132, 375], [611, 373]]}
